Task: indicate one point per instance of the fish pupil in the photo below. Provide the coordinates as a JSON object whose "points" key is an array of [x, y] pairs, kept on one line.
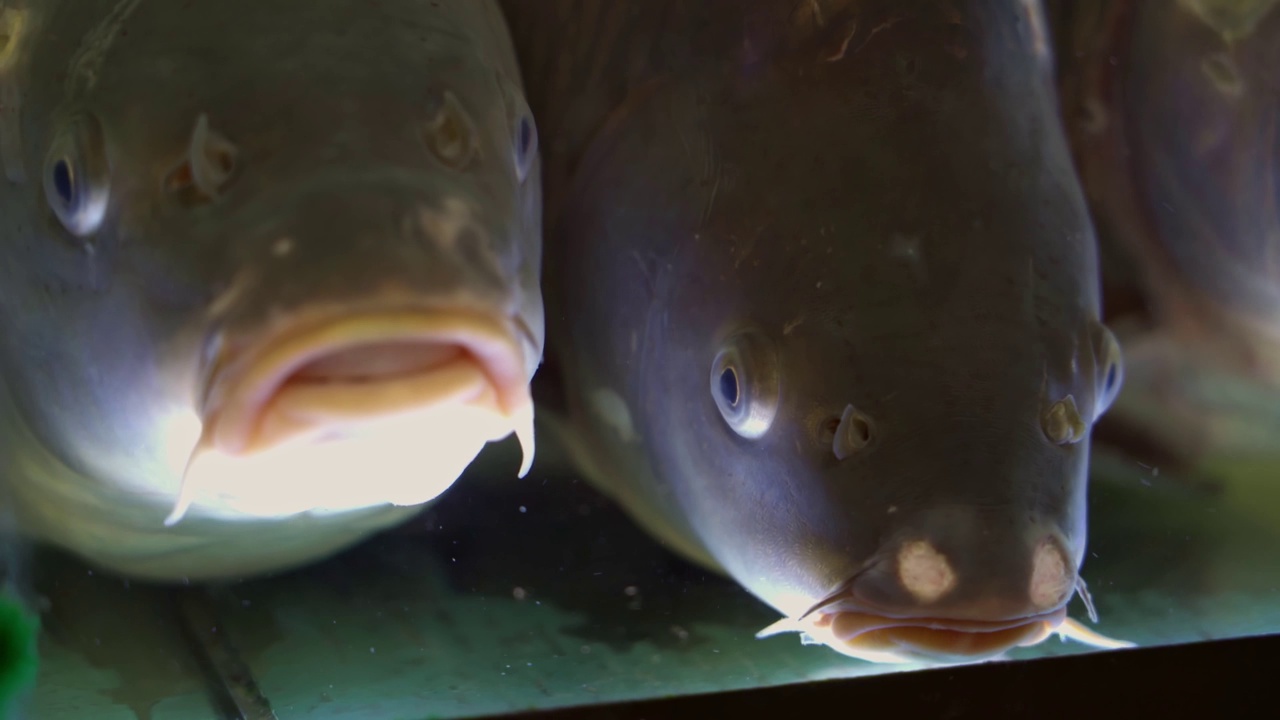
{"points": [[525, 136], [729, 386], [62, 181]]}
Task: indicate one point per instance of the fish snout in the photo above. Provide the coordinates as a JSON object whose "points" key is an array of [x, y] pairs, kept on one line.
{"points": [[978, 581], [966, 590], [359, 409]]}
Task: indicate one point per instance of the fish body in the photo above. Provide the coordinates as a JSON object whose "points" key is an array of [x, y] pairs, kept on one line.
{"points": [[823, 305], [269, 272]]}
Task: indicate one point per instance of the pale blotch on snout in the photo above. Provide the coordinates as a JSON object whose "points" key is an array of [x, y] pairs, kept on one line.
{"points": [[924, 572], [1062, 423], [1052, 580]]}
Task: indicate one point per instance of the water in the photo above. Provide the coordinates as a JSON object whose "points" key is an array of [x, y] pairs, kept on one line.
{"points": [[540, 594]]}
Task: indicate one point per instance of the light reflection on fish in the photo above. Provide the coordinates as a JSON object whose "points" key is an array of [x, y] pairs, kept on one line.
{"points": [[822, 297], [268, 273]]}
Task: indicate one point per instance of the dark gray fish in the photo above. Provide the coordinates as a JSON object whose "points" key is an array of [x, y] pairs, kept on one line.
{"points": [[823, 300], [268, 271]]}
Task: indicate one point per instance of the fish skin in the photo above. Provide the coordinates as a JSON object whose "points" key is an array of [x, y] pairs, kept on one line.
{"points": [[879, 197], [268, 166]]}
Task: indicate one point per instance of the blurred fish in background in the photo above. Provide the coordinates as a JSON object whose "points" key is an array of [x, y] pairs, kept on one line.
{"points": [[1172, 113]]}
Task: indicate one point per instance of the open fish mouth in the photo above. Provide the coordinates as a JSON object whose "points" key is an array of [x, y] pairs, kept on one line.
{"points": [[885, 639], [355, 410]]}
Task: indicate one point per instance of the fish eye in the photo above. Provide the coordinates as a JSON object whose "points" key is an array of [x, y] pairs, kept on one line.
{"points": [[744, 384], [729, 392], [1110, 371], [526, 145], [76, 177], [451, 134]]}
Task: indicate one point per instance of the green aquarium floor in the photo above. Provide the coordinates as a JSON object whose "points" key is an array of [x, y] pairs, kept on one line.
{"points": [[538, 593]]}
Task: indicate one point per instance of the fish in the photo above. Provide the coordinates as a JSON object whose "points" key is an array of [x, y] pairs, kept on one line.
{"points": [[269, 272], [823, 308], [1171, 114], [1192, 204]]}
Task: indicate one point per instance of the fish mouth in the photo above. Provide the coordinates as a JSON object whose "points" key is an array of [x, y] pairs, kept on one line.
{"points": [[356, 410], [884, 638]]}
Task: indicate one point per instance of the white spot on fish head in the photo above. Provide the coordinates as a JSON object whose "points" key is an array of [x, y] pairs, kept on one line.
{"points": [[447, 224], [612, 409], [1052, 580], [282, 247], [924, 572]]}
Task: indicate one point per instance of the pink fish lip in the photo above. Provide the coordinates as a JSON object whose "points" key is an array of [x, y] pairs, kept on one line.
{"points": [[934, 638], [356, 366], [857, 629]]}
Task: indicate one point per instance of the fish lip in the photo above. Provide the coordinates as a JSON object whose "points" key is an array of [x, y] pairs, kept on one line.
{"points": [[505, 371], [942, 622], [943, 641], [820, 618]]}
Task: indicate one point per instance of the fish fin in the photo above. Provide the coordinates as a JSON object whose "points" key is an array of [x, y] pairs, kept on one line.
{"points": [[1072, 630], [784, 625], [186, 496], [524, 422]]}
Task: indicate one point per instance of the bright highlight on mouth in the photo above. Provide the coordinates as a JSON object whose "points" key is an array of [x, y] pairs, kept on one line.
{"points": [[357, 411]]}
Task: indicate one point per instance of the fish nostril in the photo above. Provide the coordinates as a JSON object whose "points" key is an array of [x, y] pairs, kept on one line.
{"points": [[852, 433], [924, 572], [206, 169], [450, 134], [1062, 422], [1052, 579]]}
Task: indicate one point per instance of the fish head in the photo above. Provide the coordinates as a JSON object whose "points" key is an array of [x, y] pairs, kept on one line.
{"points": [[275, 258], [877, 363]]}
